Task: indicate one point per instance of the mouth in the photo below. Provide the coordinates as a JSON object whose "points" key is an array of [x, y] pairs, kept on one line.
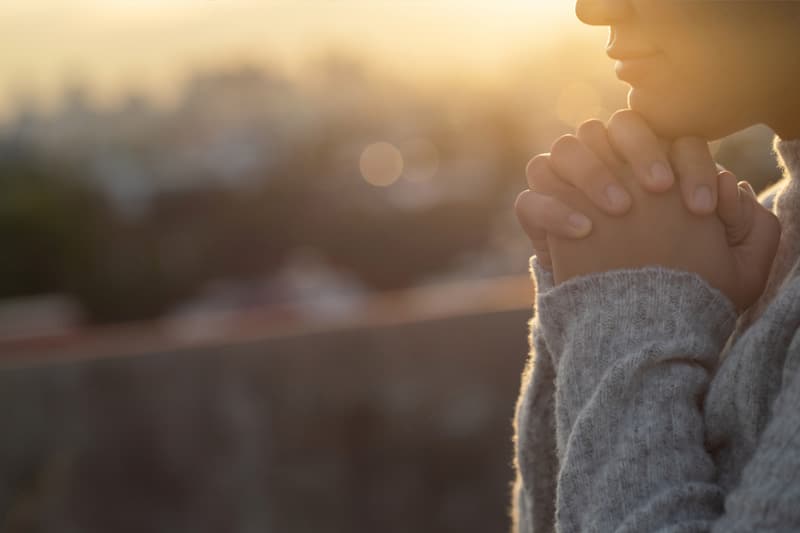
{"points": [[635, 59], [637, 69]]}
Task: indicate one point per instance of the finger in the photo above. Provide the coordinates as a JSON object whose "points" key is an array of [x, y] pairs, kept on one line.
{"points": [[539, 214], [728, 207], [544, 258], [594, 135], [732, 207], [634, 140], [576, 164], [746, 185], [541, 177], [536, 233], [538, 238], [748, 202], [697, 173], [756, 255], [766, 234]]}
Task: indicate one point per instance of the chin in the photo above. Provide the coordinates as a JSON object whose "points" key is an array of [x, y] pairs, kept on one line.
{"points": [[672, 117]]}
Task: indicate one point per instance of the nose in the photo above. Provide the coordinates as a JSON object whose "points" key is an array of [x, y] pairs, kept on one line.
{"points": [[602, 12]]}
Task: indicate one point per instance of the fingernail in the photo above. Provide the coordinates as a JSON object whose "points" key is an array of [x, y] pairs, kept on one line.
{"points": [[579, 222], [617, 196], [661, 175], [702, 198], [750, 189]]}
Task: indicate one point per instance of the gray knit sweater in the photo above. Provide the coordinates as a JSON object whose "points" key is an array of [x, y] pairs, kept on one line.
{"points": [[647, 406]]}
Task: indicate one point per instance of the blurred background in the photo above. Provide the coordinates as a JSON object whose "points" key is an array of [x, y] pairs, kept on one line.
{"points": [[260, 269]]}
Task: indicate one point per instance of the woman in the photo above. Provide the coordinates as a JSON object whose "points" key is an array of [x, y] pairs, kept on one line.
{"points": [[663, 389]]}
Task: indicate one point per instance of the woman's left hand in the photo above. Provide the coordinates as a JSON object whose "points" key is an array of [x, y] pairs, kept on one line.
{"points": [[732, 248], [585, 159]]}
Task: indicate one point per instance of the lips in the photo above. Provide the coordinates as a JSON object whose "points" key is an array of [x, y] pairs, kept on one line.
{"points": [[637, 69], [636, 58], [628, 44]]}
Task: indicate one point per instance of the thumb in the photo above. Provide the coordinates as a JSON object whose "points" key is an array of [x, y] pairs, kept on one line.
{"points": [[755, 254], [764, 236], [735, 208]]}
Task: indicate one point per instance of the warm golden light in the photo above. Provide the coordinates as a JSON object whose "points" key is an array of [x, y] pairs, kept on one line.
{"points": [[134, 5], [151, 44], [381, 164], [578, 102], [421, 159]]}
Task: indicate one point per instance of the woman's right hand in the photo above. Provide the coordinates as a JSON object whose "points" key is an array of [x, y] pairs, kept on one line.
{"points": [[584, 160]]}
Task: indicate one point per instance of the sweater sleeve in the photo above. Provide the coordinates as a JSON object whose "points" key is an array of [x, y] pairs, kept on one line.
{"points": [[533, 498], [767, 498], [633, 352]]}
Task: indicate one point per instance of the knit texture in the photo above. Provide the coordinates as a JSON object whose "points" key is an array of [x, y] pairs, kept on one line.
{"points": [[647, 406]]}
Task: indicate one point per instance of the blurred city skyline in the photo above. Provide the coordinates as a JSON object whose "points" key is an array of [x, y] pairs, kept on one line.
{"points": [[115, 47]]}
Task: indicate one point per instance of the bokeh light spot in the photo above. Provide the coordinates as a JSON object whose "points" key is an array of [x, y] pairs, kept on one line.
{"points": [[578, 102], [421, 158], [381, 164]]}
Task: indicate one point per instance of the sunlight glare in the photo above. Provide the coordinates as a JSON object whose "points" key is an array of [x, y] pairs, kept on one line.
{"points": [[421, 159], [154, 42], [578, 102], [138, 6]]}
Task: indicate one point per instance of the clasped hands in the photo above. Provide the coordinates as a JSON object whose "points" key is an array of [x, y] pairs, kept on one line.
{"points": [[603, 199]]}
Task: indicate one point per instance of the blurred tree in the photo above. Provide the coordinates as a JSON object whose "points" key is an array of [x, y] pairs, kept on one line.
{"points": [[50, 225]]}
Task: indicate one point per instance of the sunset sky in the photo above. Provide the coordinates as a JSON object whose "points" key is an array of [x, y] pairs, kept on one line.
{"points": [[150, 45]]}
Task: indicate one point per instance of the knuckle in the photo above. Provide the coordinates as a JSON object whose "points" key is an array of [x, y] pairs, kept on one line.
{"points": [[696, 178], [519, 200], [546, 204], [622, 119], [549, 211], [595, 186], [563, 144], [525, 206], [595, 174], [682, 145], [537, 166], [591, 128], [533, 206]]}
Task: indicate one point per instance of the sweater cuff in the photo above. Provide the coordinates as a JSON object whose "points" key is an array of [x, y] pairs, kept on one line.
{"points": [[621, 309], [542, 278]]}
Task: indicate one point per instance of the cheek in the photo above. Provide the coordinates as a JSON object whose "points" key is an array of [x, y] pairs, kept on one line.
{"points": [[720, 72], [692, 95], [682, 96]]}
